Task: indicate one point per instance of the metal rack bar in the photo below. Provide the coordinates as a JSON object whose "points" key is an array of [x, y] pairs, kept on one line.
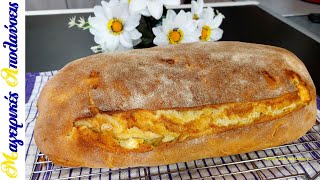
{"points": [[315, 176], [212, 166], [254, 166], [291, 176], [246, 171]]}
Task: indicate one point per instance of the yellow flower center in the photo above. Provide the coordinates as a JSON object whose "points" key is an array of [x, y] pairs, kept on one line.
{"points": [[195, 17], [175, 36], [205, 33], [115, 26]]}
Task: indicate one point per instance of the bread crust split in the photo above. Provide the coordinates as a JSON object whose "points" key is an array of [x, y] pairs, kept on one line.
{"points": [[183, 78]]}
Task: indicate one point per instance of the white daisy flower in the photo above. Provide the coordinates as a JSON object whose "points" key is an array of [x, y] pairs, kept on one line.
{"points": [[72, 22], [175, 29], [113, 27], [196, 9], [151, 7], [208, 25]]}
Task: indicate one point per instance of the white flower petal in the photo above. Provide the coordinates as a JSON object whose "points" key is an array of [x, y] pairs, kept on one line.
{"points": [[194, 6], [216, 34], [171, 14], [99, 29], [189, 39], [135, 17], [197, 7], [200, 7], [113, 2], [161, 39], [197, 32], [181, 19], [104, 4], [104, 47], [97, 23], [94, 31], [101, 38], [124, 14], [201, 23], [107, 10], [113, 43], [208, 13], [137, 5], [189, 15], [190, 24], [98, 40], [156, 30], [132, 22], [98, 11], [135, 34], [136, 42], [155, 8], [171, 2], [117, 11], [122, 48], [168, 22], [130, 26], [124, 1], [216, 22], [145, 12], [188, 32], [125, 40], [169, 25]]}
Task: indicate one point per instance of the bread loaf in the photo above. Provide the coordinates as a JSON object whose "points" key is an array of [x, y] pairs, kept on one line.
{"points": [[173, 104]]}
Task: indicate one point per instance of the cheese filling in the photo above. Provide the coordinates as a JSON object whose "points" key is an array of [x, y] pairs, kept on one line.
{"points": [[145, 129]]}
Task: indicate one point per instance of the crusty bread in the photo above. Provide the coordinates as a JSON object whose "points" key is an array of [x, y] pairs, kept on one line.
{"points": [[172, 104]]}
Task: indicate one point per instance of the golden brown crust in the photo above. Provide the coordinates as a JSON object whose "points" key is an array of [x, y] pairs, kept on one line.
{"points": [[187, 75]]}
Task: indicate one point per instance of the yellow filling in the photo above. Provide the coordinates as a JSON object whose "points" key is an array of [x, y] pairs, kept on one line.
{"points": [[146, 129]]}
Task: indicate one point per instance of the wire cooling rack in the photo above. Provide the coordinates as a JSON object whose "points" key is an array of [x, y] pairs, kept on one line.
{"points": [[298, 160]]}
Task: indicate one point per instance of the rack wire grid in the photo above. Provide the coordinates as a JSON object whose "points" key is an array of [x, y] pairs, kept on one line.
{"points": [[298, 160]]}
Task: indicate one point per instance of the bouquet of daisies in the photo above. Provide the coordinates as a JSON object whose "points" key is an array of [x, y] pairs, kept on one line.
{"points": [[115, 24]]}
